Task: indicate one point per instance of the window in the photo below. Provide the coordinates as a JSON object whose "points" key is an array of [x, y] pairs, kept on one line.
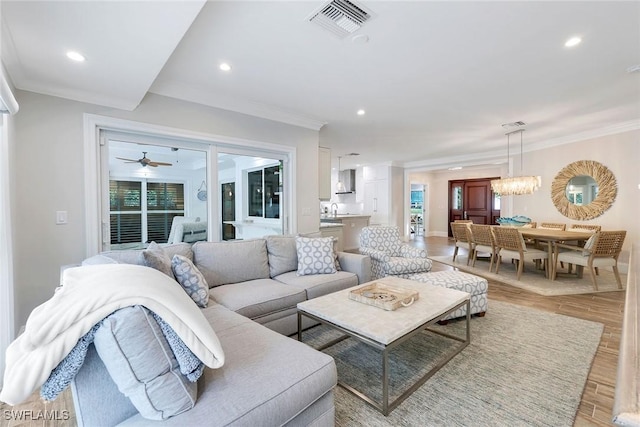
{"points": [[142, 211], [264, 190]]}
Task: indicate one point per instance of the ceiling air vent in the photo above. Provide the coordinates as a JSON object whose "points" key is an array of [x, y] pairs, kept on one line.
{"points": [[341, 17]]}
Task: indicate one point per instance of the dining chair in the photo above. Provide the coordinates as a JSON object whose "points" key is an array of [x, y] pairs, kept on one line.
{"points": [[510, 244], [583, 227], [553, 226], [462, 238], [483, 241], [463, 221], [601, 250]]}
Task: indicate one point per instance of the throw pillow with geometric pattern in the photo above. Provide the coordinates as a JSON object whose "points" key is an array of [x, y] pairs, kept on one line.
{"points": [[191, 279], [315, 255]]}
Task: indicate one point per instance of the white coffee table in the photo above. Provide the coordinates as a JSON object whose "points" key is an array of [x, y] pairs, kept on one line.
{"points": [[385, 330]]}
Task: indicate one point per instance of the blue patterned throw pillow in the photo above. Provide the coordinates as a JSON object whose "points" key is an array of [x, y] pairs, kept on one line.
{"points": [[191, 279], [315, 255]]}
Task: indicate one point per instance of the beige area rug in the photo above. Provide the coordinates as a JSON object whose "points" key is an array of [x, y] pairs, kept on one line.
{"points": [[523, 368], [534, 280]]}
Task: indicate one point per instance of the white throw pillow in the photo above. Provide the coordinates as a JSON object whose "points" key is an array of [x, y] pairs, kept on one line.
{"points": [[315, 255]]}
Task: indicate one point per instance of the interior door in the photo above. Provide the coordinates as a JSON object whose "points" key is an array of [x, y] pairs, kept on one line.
{"points": [[472, 199], [228, 194]]}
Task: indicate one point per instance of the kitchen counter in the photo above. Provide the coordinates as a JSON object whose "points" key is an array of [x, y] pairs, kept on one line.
{"points": [[339, 217], [324, 224]]}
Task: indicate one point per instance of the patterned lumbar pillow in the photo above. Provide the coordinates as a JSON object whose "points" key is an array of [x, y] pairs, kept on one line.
{"points": [[315, 255], [191, 279]]}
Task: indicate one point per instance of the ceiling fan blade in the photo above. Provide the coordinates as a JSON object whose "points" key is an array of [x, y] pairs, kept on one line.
{"points": [[159, 164], [152, 164], [128, 160]]}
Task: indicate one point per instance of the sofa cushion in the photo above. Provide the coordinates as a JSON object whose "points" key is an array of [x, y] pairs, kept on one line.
{"points": [[315, 255], [132, 256], [319, 284], [282, 253], [191, 279], [267, 378], [223, 263], [140, 361], [99, 259], [255, 298], [155, 257]]}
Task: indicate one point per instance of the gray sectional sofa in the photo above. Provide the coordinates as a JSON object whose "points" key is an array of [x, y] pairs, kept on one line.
{"points": [[268, 378]]}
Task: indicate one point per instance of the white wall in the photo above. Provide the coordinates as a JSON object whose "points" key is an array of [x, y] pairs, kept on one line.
{"points": [[47, 175]]}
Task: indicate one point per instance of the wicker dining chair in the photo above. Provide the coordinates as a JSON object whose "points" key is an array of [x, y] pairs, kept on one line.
{"points": [[483, 241], [462, 238], [553, 226], [583, 227], [601, 250], [510, 244]]}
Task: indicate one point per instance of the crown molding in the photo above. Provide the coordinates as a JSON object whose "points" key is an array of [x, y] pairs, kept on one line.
{"points": [[251, 108], [613, 129], [496, 158]]}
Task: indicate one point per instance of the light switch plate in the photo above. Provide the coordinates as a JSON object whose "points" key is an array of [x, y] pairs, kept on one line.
{"points": [[61, 217]]}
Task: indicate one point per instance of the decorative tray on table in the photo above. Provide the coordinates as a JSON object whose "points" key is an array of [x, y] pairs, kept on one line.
{"points": [[384, 296]]}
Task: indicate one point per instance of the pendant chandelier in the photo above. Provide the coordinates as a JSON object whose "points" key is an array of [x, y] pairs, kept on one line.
{"points": [[515, 185]]}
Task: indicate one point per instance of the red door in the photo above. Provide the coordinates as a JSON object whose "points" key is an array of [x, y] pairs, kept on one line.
{"points": [[472, 199]]}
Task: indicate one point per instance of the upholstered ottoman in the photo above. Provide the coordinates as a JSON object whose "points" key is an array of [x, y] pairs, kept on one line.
{"points": [[476, 286]]}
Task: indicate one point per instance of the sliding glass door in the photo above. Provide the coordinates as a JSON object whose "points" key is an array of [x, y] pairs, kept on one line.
{"points": [[257, 195]]}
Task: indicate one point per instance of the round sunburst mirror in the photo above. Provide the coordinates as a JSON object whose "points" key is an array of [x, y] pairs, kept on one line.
{"points": [[584, 190]]}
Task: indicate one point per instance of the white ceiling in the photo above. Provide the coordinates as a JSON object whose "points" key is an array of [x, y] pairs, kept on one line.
{"points": [[437, 79]]}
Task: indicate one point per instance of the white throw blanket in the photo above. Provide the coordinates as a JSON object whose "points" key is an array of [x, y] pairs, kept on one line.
{"points": [[88, 295]]}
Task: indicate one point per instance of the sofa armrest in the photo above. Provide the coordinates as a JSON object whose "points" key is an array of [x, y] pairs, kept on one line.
{"points": [[358, 264], [376, 254]]}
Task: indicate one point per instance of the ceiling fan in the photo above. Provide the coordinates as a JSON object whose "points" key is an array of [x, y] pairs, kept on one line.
{"points": [[144, 161]]}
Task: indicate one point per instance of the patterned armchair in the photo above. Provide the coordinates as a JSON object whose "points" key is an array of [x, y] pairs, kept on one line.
{"points": [[389, 255]]}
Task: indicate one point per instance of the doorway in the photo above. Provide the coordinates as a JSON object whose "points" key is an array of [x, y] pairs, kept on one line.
{"points": [[473, 199], [416, 209]]}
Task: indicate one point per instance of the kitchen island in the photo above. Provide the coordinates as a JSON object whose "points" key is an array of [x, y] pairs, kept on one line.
{"points": [[348, 225]]}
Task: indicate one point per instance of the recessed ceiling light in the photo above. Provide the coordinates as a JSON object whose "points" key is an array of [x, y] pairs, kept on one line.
{"points": [[455, 168], [573, 41], [75, 56], [361, 112], [225, 67]]}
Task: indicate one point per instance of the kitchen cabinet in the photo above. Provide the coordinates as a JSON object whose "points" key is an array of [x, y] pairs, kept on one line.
{"points": [[376, 201], [383, 196], [324, 173], [335, 231]]}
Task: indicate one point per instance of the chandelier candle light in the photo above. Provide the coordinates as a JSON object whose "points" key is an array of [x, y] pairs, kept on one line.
{"points": [[515, 185]]}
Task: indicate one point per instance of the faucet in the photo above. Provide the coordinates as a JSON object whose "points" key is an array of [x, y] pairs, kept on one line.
{"points": [[334, 211]]}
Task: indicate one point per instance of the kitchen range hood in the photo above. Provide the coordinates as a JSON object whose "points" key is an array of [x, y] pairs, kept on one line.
{"points": [[348, 178]]}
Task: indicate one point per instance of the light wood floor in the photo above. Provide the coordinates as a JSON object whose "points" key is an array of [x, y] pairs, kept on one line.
{"points": [[597, 400]]}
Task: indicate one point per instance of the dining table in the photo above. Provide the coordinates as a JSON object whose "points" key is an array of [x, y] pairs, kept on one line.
{"points": [[552, 236]]}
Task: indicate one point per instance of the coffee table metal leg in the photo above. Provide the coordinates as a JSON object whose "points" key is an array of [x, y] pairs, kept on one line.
{"points": [[385, 381]]}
